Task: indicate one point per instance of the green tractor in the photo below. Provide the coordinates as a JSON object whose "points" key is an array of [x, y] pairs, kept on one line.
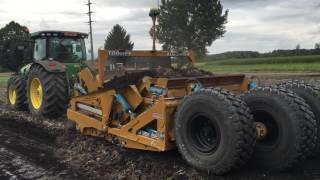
{"points": [[43, 85]]}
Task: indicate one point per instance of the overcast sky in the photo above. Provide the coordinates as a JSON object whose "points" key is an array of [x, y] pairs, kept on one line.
{"points": [[258, 25]]}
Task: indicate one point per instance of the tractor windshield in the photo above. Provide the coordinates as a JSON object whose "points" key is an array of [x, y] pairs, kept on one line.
{"points": [[67, 50]]}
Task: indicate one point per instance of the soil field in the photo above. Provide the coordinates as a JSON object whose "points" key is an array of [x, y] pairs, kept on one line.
{"points": [[32, 148]]}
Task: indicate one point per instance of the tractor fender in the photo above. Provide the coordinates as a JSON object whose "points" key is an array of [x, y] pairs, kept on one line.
{"points": [[51, 66]]}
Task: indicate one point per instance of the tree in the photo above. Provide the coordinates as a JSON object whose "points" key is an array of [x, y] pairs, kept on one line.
{"points": [[316, 50], [298, 47], [14, 41], [118, 39], [185, 24]]}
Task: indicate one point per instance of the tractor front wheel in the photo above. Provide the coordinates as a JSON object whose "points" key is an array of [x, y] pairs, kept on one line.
{"points": [[16, 93], [215, 131], [47, 93]]}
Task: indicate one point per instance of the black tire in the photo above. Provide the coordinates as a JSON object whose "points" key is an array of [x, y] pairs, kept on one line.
{"points": [[219, 114], [55, 94], [18, 83], [311, 94], [291, 127]]}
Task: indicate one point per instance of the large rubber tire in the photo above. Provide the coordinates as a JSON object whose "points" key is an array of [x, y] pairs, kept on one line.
{"points": [[311, 94], [214, 131], [290, 124], [17, 84], [54, 93]]}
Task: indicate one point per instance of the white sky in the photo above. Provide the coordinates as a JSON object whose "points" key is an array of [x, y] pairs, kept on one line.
{"points": [[258, 25]]}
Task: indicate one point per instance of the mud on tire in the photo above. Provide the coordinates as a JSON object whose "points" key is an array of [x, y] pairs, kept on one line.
{"points": [[311, 94], [214, 130], [291, 127], [55, 94], [18, 83]]}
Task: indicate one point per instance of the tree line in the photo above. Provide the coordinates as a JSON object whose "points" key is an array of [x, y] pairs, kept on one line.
{"points": [[274, 53]]}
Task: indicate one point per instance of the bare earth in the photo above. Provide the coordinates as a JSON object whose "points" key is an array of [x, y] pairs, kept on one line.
{"points": [[32, 148]]}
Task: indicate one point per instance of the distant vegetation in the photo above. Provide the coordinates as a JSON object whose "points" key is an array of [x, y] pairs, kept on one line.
{"points": [[3, 79], [15, 46], [267, 64], [271, 60], [254, 54], [295, 60]]}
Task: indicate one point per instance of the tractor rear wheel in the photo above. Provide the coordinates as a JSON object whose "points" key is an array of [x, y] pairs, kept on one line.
{"points": [[47, 93], [286, 128], [311, 94], [214, 131], [16, 93]]}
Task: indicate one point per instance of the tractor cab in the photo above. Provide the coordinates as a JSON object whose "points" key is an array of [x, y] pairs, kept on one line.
{"points": [[61, 46]]}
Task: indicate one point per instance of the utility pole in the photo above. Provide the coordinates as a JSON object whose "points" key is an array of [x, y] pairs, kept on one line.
{"points": [[90, 25]]}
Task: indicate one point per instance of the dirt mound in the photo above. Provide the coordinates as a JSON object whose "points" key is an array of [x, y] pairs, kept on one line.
{"points": [[107, 161], [182, 72]]}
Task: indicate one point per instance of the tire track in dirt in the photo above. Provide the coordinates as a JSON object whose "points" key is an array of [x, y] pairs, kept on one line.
{"points": [[26, 152], [14, 166]]}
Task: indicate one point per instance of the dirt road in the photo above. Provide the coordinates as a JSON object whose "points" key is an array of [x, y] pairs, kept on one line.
{"points": [[32, 148]]}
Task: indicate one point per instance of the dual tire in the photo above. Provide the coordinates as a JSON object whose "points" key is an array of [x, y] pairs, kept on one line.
{"points": [[289, 125], [216, 131]]}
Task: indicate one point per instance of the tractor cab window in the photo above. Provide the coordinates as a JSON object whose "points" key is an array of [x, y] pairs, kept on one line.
{"points": [[40, 49], [67, 50]]}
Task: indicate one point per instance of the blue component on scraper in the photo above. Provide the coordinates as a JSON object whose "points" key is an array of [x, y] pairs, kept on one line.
{"points": [[253, 85], [196, 87], [158, 90], [80, 89], [153, 133], [124, 103]]}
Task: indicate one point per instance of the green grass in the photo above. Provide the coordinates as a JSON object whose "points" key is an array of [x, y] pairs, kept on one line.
{"points": [[298, 67], [279, 64], [3, 80], [268, 60]]}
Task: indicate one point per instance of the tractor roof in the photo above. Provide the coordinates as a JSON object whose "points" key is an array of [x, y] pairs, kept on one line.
{"points": [[58, 34]]}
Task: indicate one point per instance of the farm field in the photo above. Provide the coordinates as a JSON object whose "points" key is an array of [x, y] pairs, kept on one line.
{"points": [[295, 64]]}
